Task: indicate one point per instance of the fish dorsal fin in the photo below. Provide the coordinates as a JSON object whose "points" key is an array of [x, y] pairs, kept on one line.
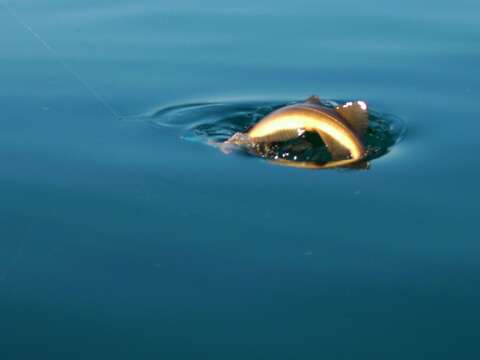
{"points": [[355, 114], [337, 151], [313, 100]]}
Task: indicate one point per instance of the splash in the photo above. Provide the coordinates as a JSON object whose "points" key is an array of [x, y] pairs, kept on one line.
{"points": [[214, 123]]}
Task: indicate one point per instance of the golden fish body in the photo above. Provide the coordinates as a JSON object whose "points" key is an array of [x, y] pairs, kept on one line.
{"points": [[341, 129]]}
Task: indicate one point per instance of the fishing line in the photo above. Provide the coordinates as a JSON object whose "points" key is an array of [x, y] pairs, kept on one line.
{"points": [[62, 62], [71, 71]]}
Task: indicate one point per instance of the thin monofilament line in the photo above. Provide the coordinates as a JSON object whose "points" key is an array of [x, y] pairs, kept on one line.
{"points": [[76, 75], [65, 65]]}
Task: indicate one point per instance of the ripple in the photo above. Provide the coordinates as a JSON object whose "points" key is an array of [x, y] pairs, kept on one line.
{"points": [[212, 123]]}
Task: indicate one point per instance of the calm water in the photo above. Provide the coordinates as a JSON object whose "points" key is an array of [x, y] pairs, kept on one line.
{"points": [[121, 240]]}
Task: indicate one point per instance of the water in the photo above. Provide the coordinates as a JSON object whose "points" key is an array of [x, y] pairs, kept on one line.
{"points": [[120, 239]]}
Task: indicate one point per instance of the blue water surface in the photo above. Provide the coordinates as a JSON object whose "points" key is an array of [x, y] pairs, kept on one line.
{"points": [[121, 240]]}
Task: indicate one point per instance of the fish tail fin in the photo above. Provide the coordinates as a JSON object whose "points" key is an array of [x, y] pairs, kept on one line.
{"points": [[355, 113]]}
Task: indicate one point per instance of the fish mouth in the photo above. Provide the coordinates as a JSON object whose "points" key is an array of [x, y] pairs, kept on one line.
{"points": [[236, 141]]}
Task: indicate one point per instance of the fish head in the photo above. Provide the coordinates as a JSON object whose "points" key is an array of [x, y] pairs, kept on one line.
{"points": [[235, 141]]}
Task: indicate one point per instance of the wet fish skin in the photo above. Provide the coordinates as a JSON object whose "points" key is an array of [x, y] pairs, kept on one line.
{"points": [[341, 129]]}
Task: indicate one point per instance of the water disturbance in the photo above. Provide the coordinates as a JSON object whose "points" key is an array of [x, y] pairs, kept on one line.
{"points": [[213, 123]]}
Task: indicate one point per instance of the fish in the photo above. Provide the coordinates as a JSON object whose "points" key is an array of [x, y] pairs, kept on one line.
{"points": [[341, 128]]}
